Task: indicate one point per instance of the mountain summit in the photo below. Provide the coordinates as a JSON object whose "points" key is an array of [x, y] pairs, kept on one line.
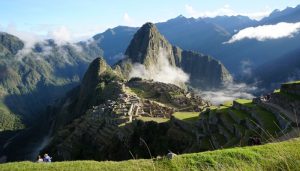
{"points": [[150, 54], [146, 45]]}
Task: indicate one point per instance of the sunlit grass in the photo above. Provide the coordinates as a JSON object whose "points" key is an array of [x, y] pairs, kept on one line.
{"points": [[187, 116], [155, 119], [273, 156], [293, 82]]}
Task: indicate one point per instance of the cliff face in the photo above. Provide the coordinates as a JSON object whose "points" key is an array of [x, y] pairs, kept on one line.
{"points": [[204, 71], [150, 49]]}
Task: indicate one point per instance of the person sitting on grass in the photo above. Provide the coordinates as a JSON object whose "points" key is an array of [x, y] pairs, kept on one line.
{"points": [[39, 159], [47, 158]]}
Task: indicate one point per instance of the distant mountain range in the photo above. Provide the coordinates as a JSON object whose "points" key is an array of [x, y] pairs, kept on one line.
{"points": [[207, 35], [30, 81]]}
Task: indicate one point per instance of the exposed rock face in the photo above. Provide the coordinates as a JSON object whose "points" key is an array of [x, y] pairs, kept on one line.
{"points": [[148, 46]]}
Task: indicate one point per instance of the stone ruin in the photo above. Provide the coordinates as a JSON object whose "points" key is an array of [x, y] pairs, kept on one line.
{"points": [[128, 107]]}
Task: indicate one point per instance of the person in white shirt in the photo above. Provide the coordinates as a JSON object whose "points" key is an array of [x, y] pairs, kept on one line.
{"points": [[39, 160]]}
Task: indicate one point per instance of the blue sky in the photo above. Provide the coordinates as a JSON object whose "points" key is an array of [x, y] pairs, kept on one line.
{"points": [[87, 17]]}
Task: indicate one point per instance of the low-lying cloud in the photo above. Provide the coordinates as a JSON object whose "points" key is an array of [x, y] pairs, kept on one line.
{"points": [[267, 32], [163, 71], [60, 35], [230, 92]]}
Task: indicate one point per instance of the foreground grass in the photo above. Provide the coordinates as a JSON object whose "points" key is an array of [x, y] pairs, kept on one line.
{"points": [[274, 156]]}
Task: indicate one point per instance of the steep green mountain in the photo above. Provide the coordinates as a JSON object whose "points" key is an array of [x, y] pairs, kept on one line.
{"points": [[149, 48], [139, 116], [31, 79], [9, 44], [108, 115], [99, 84], [146, 45]]}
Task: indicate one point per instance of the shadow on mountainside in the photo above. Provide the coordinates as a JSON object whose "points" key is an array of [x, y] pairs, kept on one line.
{"points": [[37, 115]]}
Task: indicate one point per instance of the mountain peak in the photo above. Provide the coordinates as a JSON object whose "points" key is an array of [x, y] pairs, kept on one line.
{"points": [[95, 70], [148, 26], [146, 44]]}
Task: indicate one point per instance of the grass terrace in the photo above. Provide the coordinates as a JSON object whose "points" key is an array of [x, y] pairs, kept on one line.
{"points": [[268, 119], [155, 119], [273, 156], [293, 82], [187, 116]]}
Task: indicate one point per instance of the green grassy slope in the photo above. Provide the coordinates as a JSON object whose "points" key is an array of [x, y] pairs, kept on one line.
{"points": [[273, 156]]}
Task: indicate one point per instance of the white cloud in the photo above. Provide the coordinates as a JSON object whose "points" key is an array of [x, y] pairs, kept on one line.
{"points": [[29, 38], [267, 32], [191, 11], [163, 71], [61, 35], [128, 20], [229, 93], [257, 15], [225, 10]]}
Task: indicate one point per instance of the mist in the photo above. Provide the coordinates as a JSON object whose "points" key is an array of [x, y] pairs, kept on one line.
{"points": [[163, 71], [229, 92]]}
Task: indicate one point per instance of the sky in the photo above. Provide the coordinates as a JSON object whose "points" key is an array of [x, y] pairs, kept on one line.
{"points": [[78, 19]]}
